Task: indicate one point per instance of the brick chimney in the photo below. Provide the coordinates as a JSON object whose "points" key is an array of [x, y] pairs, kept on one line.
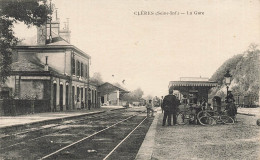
{"points": [[65, 32], [42, 35], [43, 32]]}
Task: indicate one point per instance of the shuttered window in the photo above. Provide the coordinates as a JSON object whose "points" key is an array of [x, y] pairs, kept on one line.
{"points": [[73, 67], [78, 68], [86, 71], [81, 69]]}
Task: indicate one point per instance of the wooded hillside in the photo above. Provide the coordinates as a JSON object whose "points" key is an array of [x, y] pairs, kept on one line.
{"points": [[244, 69]]}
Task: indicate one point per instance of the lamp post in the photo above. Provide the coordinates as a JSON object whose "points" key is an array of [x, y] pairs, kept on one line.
{"points": [[227, 79]]}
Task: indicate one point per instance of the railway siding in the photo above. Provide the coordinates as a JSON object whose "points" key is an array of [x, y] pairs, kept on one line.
{"points": [[103, 131]]}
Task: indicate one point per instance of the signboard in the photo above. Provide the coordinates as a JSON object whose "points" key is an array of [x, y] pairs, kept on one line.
{"points": [[35, 78]]}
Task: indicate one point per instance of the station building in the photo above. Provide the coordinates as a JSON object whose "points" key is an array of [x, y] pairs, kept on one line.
{"points": [[192, 89], [52, 72], [111, 94]]}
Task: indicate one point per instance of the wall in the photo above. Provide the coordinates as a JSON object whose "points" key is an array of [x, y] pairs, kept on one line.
{"points": [[60, 61], [41, 59], [67, 68], [93, 95], [61, 83], [65, 35], [10, 82], [113, 98], [56, 60], [31, 89], [83, 60]]}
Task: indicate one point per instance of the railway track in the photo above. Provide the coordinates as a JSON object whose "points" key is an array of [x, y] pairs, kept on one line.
{"points": [[6, 134], [94, 137], [11, 139]]}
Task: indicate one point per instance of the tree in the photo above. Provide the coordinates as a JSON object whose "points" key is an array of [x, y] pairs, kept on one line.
{"points": [[133, 96], [221, 94], [138, 93], [30, 12], [245, 73], [148, 97], [97, 78], [128, 97]]}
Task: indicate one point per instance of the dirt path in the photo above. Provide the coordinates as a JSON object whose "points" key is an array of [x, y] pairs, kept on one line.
{"points": [[238, 141]]}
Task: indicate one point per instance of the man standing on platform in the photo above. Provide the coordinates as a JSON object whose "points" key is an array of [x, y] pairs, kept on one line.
{"points": [[169, 108], [149, 107]]}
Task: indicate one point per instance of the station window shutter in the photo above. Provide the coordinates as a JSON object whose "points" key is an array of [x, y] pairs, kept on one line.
{"points": [[86, 71], [81, 69], [78, 68], [73, 66]]}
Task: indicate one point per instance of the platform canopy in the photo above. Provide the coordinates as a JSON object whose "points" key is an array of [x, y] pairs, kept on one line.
{"points": [[177, 84], [193, 88]]}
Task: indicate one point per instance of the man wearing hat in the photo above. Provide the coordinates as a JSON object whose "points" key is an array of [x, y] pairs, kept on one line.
{"points": [[170, 107], [149, 107]]}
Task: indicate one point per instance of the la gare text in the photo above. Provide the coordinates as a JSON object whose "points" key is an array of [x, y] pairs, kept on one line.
{"points": [[165, 13]]}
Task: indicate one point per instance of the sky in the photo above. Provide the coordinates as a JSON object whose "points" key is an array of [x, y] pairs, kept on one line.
{"points": [[149, 51]]}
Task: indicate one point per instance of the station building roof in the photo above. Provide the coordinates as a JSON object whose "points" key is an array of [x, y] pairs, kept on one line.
{"points": [[57, 43], [107, 88]]}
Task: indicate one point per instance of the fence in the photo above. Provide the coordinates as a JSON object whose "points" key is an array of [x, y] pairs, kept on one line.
{"points": [[13, 107], [246, 101]]}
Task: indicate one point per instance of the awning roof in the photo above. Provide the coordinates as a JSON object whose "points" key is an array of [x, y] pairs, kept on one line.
{"points": [[192, 83]]}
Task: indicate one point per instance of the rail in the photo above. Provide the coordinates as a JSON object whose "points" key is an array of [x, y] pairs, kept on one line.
{"points": [[85, 138]]}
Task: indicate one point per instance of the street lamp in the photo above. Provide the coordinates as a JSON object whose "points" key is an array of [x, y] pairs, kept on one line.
{"points": [[227, 79]]}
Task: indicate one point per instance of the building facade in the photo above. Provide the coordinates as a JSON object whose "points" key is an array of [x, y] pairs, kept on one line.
{"points": [[111, 94], [53, 71]]}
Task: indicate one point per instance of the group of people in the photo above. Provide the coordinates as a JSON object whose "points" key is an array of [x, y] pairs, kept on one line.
{"points": [[170, 107], [229, 107], [81, 105]]}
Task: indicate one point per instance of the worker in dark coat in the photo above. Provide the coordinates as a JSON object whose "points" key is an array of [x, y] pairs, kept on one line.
{"points": [[170, 108], [231, 108], [175, 110]]}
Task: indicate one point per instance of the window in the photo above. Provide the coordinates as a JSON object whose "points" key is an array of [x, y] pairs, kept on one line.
{"points": [[78, 93], [81, 94], [78, 68], [86, 71], [81, 70], [73, 66]]}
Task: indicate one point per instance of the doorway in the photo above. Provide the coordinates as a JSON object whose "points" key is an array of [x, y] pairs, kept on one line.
{"points": [[67, 97], [73, 97], [54, 96], [102, 99]]}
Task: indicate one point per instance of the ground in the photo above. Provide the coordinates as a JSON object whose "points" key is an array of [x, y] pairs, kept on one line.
{"points": [[238, 141]]}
